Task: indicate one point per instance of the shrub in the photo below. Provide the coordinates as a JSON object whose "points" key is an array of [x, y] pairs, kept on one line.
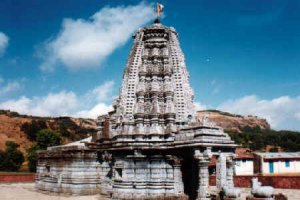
{"points": [[32, 157], [47, 138], [11, 159], [32, 128], [44, 138]]}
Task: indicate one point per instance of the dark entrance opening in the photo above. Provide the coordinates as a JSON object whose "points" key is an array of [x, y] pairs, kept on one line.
{"points": [[190, 175]]}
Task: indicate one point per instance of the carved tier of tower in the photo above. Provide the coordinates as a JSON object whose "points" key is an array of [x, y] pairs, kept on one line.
{"points": [[155, 97]]}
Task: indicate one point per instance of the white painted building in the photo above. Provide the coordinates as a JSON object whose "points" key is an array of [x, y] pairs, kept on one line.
{"points": [[244, 167], [244, 162], [277, 163]]}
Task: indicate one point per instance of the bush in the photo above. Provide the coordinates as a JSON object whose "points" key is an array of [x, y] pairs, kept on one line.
{"points": [[64, 130], [44, 138], [31, 129], [2, 159], [32, 157], [47, 138], [11, 159]]}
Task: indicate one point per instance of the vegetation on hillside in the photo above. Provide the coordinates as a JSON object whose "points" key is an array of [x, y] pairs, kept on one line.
{"points": [[258, 139], [42, 132], [44, 138], [66, 127], [11, 159], [32, 128]]}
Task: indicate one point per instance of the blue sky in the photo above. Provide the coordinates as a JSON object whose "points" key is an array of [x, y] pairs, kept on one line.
{"points": [[67, 57]]}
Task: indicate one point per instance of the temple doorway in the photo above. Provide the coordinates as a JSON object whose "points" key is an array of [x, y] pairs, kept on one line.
{"points": [[190, 175]]}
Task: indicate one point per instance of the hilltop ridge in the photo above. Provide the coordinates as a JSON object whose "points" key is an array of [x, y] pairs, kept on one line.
{"points": [[232, 122], [70, 128]]}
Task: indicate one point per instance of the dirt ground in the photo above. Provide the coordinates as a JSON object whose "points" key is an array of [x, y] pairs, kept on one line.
{"points": [[291, 194], [26, 191]]}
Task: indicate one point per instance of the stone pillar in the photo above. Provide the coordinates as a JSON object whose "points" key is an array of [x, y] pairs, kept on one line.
{"points": [[178, 183], [229, 171], [221, 175], [203, 162]]}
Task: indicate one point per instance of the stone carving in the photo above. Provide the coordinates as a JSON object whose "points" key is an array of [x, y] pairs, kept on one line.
{"points": [[231, 192], [259, 191]]}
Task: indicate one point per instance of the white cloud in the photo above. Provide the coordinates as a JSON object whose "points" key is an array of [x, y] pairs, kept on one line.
{"points": [[21, 105], [297, 115], [53, 104], [102, 92], [86, 43], [9, 87], [94, 112], [282, 112], [199, 106], [3, 42], [63, 103]]}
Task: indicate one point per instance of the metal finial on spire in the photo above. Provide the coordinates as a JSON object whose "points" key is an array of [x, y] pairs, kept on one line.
{"points": [[159, 10]]}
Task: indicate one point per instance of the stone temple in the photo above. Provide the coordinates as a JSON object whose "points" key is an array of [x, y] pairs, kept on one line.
{"points": [[151, 146]]}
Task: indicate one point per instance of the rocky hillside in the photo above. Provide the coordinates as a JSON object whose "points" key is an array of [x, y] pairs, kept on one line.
{"points": [[12, 128], [234, 123], [11, 124]]}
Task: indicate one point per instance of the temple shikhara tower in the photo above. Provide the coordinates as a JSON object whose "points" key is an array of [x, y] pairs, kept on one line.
{"points": [[156, 97], [151, 145]]}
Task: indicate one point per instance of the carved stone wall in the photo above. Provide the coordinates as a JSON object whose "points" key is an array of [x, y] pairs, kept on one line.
{"points": [[73, 172], [146, 177]]}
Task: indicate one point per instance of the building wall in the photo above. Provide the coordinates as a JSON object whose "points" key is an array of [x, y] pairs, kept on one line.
{"points": [[16, 178], [145, 178], [278, 181], [244, 167], [76, 172], [280, 167]]}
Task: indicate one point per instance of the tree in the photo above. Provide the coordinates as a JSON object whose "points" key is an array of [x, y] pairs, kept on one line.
{"points": [[273, 149], [64, 130], [47, 138], [44, 138], [32, 157], [2, 159], [11, 159], [31, 129]]}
